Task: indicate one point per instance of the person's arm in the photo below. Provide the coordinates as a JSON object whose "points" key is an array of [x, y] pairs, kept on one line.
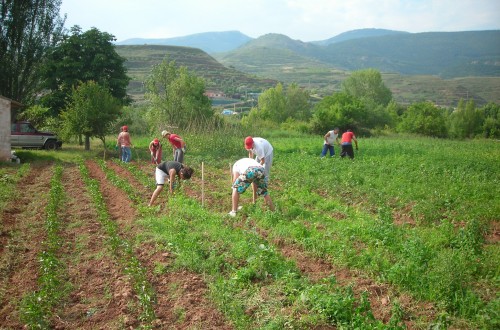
{"points": [[338, 140], [326, 137], [172, 174], [250, 153], [355, 142]]}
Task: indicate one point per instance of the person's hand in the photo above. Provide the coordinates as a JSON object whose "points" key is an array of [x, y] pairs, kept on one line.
{"points": [[356, 147]]}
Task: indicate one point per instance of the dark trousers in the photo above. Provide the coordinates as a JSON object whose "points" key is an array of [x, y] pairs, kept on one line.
{"points": [[347, 151]]}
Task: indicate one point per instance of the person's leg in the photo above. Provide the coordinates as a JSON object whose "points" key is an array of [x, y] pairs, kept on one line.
{"points": [[269, 202], [157, 191], [235, 200], [330, 150], [325, 149], [268, 163], [342, 152], [122, 154], [128, 154], [350, 151]]}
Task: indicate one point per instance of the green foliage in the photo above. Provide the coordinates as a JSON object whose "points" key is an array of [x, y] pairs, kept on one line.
{"points": [[28, 29], [423, 118], [368, 86], [297, 103], [91, 112], [338, 110], [176, 96], [83, 57]]}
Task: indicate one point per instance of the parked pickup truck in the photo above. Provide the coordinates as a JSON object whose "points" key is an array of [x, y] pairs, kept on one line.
{"points": [[24, 135]]}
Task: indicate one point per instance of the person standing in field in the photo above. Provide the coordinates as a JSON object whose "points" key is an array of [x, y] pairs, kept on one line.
{"points": [[178, 145], [262, 150], [330, 138], [155, 148], [169, 171], [124, 143], [246, 172], [346, 143]]}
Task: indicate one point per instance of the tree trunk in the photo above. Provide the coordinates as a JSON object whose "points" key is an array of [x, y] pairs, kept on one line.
{"points": [[87, 142]]}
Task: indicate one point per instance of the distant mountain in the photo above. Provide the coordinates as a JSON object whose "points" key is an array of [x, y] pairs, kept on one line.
{"points": [[210, 42], [357, 34], [446, 54]]}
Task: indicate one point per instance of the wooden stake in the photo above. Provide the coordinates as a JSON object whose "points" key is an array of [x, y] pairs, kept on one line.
{"points": [[202, 184]]}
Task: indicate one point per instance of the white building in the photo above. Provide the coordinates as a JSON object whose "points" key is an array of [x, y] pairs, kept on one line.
{"points": [[8, 109]]}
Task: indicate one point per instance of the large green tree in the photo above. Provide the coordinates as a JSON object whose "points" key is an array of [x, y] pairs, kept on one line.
{"points": [[338, 110], [28, 29], [81, 57], [177, 97], [91, 112], [368, 86], [423, 118]]}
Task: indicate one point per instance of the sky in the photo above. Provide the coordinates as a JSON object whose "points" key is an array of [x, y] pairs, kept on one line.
{"points": [[305, 20]]}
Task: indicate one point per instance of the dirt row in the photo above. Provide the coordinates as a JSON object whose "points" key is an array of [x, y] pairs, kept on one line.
{"points": [[101, 296], [381, 295]]}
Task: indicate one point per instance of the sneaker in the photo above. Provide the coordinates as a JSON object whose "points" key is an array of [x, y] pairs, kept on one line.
{"points": [[232, 213]]}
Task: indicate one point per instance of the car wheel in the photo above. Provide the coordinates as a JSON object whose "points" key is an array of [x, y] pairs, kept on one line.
{"points": [[51, 145]]}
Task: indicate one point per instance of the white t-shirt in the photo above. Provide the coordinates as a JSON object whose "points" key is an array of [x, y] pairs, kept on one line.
{"points": [[261, 148], [331, 138], [241, 165]]}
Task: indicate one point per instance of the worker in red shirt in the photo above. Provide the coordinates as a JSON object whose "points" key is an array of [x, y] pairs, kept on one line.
{"points": [[178, 145], [346, 144], [155, 148]]}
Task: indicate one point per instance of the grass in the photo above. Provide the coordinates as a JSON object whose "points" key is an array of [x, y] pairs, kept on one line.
{"points": [[413, 213]]}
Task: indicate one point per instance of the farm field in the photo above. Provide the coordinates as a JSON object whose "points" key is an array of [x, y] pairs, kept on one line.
{"points": [[403, 237]]}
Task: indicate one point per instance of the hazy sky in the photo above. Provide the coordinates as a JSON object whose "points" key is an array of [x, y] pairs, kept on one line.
{"points": [[306, 20]]}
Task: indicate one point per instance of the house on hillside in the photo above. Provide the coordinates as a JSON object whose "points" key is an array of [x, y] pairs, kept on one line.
{"points": [[8, 110], [214, 94]]}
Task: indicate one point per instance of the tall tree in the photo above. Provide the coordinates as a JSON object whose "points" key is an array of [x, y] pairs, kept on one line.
{"points": [[338, 110], [177, 96], [368, 86], [28, 29], [297, 102], [81, 57], [272, 104], [91, 112]]}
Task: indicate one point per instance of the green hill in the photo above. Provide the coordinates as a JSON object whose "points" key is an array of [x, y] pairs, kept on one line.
{"points": [[141, 59]]}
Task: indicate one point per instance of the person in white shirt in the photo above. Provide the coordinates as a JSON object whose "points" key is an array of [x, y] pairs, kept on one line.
{"points": [[330, 138], [246, 172], [262, 150]]}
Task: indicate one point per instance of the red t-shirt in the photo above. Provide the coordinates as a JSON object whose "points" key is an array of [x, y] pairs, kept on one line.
{"points": [[174, 142], [347, 137]]}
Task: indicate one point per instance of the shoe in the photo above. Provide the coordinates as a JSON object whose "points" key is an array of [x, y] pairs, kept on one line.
{"points": [[232, 213]]}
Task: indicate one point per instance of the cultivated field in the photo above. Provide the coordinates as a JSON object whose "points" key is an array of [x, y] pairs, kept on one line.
{"points": [[404, 236]]}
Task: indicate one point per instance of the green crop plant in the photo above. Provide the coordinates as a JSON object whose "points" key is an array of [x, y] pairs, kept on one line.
{"points": [[123, 251], [37, 307]]}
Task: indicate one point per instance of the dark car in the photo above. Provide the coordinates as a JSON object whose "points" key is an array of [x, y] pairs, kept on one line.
{"points": [[24, 135]]}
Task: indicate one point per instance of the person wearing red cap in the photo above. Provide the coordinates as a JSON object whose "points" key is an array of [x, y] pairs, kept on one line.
{"points": [[155, 148], [262, 150], [124, 143]]}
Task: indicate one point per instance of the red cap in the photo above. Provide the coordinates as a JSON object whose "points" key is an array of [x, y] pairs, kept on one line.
{"points": [[125, 128], [248, 142], [156, 141]]}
